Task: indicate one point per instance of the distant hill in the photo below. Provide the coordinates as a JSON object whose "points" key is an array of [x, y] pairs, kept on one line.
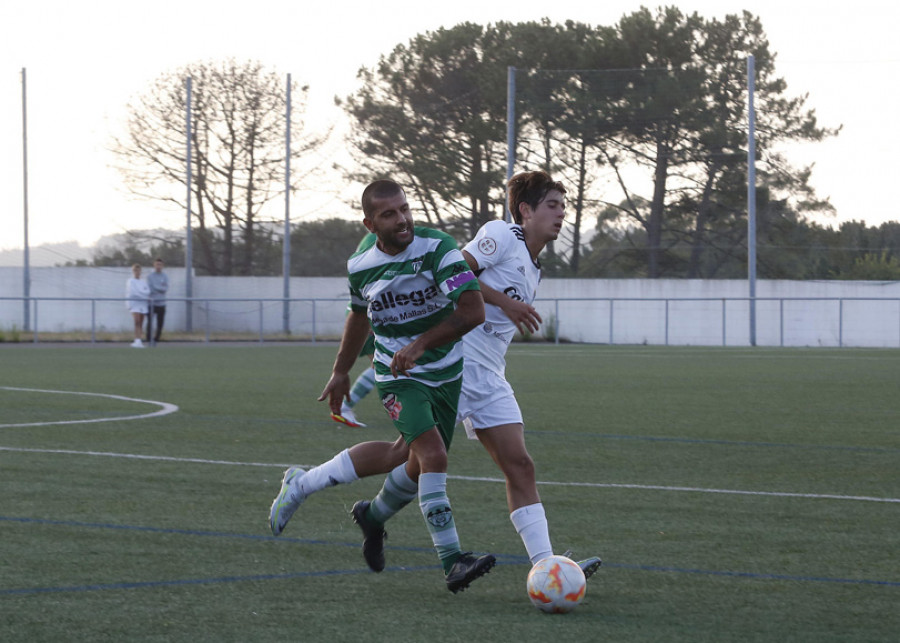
{"points": [[48, 254]]}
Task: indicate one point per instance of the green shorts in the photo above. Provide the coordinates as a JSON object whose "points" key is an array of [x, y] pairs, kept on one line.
{"points": [[415, 407]]}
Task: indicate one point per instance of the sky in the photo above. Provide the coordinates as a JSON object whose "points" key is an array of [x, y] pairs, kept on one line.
{"points": [[85, 61]]}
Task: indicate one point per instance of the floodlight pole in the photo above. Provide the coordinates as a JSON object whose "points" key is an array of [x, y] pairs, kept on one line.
{"points": [[286, 247], [751, 195], [189, 241], [26, 267], [510, 131]]}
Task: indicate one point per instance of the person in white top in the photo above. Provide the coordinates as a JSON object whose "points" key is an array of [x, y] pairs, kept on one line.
{"points": [[137, 301], [504, 257]]}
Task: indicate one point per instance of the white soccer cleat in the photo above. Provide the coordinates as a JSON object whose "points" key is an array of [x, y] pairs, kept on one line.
{"points": [[137, 344], [347, 417], [287, 501]]}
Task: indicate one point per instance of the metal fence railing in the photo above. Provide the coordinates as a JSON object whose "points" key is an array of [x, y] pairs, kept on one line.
{"points": [[724, 321]]}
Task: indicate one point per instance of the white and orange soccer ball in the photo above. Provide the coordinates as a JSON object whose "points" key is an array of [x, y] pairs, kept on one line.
{"points": [[556, 585]]}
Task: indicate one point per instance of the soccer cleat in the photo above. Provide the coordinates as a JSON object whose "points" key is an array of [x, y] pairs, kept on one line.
{"points": [[287, 501], [589, 565], [466, 569], [347, 417], [373, 536], [137, 344]]}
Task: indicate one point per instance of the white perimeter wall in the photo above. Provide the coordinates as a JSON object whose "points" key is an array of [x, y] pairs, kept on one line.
{"points": [[620, 311]]}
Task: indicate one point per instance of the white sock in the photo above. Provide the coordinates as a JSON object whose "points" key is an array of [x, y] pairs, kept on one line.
{"points": [[338, 470], [531, 525]]}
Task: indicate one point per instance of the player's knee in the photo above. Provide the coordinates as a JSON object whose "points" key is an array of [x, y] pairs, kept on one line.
{"points": [[520, 467], [398, 454]]}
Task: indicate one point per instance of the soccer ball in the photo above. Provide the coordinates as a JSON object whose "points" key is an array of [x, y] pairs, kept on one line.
{"points": [[556, 585]]}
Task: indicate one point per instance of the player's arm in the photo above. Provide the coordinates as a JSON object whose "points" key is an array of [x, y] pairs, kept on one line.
{"points": [[523, 315], [356, 329], [468, 314]]}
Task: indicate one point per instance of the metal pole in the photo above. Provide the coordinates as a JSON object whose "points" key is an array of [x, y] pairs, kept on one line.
{"points": [[841, 323], [611, 321], [189, 241], [724, 324], [781, 322], [667, 322], [26, 266], [286, 247], [751, 195], [510, 130], [556, 334]]}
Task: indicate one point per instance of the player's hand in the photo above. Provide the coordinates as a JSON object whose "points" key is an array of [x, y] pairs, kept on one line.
{"points": [[523, 315], [405, 359], [336, 390]]}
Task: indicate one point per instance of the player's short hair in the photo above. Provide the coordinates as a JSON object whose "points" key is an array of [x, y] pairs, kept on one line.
{"points": [[135, 265], [530, 188], [380, 189]]}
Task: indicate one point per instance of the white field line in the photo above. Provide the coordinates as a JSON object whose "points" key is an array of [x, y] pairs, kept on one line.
{"points": [[592, 485], [165, 408]]}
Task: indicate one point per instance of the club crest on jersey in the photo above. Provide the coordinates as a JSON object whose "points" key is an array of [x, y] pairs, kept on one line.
{"points": [[392, 406], [417, 266], [487, 246], [440, 517]]}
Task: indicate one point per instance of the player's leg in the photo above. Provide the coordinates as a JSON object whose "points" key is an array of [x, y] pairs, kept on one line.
{"points": [[160, 321], [425, 417], [460, 568], [359, 461], [409, 406], [138, 319], [506, 446]]}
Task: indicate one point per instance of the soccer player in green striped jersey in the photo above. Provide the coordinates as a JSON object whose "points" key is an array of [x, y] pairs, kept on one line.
{"points": [[415, 290]]}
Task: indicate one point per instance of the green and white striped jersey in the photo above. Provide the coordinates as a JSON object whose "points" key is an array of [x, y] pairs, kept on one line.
{"points": [[406, 294]]}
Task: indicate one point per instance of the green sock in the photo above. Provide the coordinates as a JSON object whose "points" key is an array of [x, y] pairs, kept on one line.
{"points": [[435, 508], [397, 491], [362, 386]]}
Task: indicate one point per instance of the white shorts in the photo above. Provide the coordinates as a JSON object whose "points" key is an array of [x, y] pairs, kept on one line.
{"points": [[487, 400], [139, 308]]}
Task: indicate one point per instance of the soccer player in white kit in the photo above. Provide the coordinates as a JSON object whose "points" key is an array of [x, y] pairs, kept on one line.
{"points": [[504, 257]]}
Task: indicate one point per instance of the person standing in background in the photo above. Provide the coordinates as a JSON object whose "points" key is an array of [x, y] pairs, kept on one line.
{"points": [[158, 281], [137, 294]]}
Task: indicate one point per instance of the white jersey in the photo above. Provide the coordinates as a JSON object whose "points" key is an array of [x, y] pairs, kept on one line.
{"points": [[504, 264]]}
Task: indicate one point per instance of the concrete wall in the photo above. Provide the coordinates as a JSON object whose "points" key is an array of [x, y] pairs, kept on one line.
{"points": [[619, 311]]}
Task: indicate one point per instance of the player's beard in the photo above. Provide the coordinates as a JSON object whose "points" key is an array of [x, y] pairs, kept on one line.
{"points": [[399, 238]]}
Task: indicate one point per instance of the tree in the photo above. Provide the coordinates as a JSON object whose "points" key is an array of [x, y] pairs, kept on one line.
{"points": [[659, 96], [696, 144], [431, 113], [321, 248], [141, 247], [238, 149]]}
